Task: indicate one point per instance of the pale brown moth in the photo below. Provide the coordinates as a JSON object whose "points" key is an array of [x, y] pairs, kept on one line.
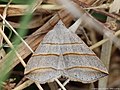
{"points": [[63, 53]]}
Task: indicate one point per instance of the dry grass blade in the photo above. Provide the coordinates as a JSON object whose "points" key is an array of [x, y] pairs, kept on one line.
{"points": [[103, 41], [51, 7], [95, 2]]}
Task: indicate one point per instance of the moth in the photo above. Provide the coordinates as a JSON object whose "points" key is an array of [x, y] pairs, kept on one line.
{"points": [[63, 53]]}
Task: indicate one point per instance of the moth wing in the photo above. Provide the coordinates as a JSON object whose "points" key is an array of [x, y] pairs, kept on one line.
{"points": [[84, 75], [84, 69], [81, 63], [43, 75], [44, 63]]}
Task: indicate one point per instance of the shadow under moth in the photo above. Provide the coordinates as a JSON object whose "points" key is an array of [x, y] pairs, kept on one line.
{"points": [[63, 53]]}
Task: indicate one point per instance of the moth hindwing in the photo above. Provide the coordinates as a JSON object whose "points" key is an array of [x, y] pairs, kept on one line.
{"points": [[63, 53]]}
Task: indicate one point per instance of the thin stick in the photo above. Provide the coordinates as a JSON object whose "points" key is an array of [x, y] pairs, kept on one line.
{"points": [[24, 85], [10, 44], [96, 2], [65, 83], [98, 44], [36, 5], [5, 13], [86, 37], [17, 34], [59, 83], [21, 81], [39, 86]]}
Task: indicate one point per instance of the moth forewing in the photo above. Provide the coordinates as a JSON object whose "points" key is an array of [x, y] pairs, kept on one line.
{"points": [[43, 75], [63, 53], [84, 75], [80, 60]]}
